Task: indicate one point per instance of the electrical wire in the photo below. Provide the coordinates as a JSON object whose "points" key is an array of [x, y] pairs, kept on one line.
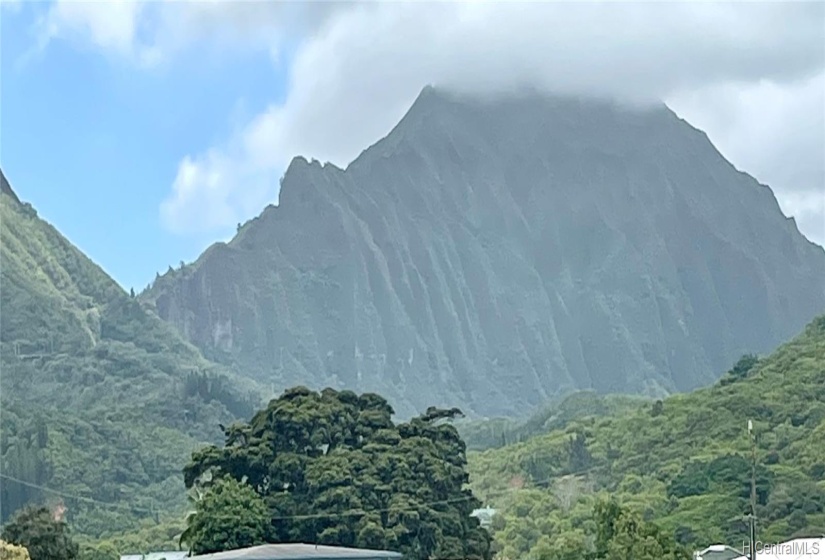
{"points": [[331, 515]]}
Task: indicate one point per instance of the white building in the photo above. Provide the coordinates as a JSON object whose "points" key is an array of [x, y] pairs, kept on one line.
{"points": [[485, 516]]}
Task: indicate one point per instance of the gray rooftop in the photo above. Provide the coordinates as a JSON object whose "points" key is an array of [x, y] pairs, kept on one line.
{"points": [[299, 552], [166, 555], [723, 555]]}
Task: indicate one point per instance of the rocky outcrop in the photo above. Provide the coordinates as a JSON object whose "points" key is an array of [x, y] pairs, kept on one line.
{"points": [[491, 254]]}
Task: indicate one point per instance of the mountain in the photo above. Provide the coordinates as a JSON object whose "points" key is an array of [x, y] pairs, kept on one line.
{"points": [[492, 254], [101, 402], [684, 462]]}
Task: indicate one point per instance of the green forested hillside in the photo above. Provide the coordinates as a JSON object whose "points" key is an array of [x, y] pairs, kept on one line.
{"points": [[498, 432], [101, 400], [684, 462]]}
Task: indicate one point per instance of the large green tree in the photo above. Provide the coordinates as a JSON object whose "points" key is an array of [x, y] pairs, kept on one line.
{"points": [[103, 551], [13, 552], [229, 515], [45, 537], [622, 534], [333, 468]]}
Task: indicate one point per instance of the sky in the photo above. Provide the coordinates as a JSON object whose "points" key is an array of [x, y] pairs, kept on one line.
{"points": [[147, 130]]}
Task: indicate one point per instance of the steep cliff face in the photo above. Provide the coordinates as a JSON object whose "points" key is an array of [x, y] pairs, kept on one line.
{"points": [[490, 254]]}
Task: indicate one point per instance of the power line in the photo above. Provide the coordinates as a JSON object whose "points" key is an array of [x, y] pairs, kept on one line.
{"points": [[356, 513], [282, 518], [72, 496], [132, 509], [332, 515], [501, 492]]}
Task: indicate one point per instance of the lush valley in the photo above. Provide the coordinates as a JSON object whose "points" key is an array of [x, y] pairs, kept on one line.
{"points": [[101, 400], [683, 462], [577, 274]]}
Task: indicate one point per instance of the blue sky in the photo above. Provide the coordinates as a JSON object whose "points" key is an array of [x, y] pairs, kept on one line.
{"points": [[145, 130], [94, 144]]}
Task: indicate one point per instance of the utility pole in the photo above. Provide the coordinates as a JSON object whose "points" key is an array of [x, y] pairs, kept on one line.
{"points": [[752, 437]]}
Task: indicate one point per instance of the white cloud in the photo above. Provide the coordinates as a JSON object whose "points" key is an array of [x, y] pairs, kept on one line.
{"points": [[109, 25], [744, 76], [750, 74], [808, 209], [150, 32], [205, 196], [773, 131]]}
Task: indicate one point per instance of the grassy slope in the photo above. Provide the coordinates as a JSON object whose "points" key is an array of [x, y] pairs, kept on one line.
{"points": [[95, 399], [686, 467]]}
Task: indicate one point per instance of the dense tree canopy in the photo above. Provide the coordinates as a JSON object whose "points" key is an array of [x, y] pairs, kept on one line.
{"points": [[45, 537], [103, 551], [230, 515], [623, 535], [10, 551], [333, 468]]}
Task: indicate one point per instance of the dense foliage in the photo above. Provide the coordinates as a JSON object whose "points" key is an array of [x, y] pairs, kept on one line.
{"points": [[333, 468], [498, 432], [101, 401], [150, 536], [103, 551], [230, 515], [622, 534], [44, 536], [13, 552], [683, 462]]}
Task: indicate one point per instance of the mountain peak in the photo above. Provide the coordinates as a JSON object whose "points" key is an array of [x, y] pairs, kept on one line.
{"points": [[493, 251], [513, 124]]}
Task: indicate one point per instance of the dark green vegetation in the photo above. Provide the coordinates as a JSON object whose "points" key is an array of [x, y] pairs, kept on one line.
{"points": [[333, 468], [621, 534], [498, 432], [229, 515], [43, 536], [493, 255], [100, 399], [682, 463], [10, 551]]}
